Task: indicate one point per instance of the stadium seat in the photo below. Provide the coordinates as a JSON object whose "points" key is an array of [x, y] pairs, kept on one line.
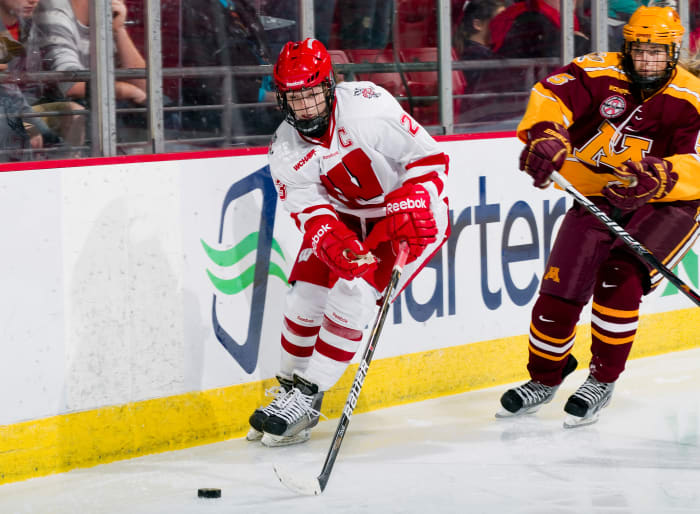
{"points": [[170, 38], [416, 23], [425, 83], [390, 81]]}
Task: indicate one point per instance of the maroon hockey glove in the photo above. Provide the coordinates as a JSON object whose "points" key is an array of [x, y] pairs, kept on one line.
{"points": [[545, 151], [649, 179], [408, 218], [338, 247]]}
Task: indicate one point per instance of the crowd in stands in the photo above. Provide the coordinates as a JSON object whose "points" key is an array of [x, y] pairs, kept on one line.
{"points": [[50, 119]]}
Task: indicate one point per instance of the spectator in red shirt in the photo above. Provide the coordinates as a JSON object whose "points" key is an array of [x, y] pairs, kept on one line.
{"points": [[532, 28]]}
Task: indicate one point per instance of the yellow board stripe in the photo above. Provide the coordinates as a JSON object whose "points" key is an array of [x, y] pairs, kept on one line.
{"points": [[82, 439]]}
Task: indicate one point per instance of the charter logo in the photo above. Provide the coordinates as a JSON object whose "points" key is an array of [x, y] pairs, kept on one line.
{"points": [[690, 266], [256, 275]]}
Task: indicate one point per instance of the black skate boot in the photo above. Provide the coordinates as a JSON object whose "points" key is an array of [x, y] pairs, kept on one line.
{"points": [[529, 397], [585, 404], [297, 414], [257, 419]]}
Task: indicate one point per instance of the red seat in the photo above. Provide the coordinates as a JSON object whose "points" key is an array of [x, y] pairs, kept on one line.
{"points": [[339, 57], [390, 81], [425, 83], [170, 37], [416, 23]]}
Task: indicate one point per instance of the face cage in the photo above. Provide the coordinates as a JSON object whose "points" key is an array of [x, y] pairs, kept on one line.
{"points": [[649, 83], [314, 127]]}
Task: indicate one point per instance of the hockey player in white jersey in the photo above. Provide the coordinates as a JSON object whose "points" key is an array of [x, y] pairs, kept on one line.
{"points": [[358, 175]]}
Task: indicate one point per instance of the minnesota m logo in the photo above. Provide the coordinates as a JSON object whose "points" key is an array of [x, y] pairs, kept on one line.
{"points": [[601, 149], [552, 274]]}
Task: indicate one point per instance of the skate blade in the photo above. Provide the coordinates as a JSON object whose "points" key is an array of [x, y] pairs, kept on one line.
{"points": [[253, 435], [273, 441], [575, 421], [503, 413]]}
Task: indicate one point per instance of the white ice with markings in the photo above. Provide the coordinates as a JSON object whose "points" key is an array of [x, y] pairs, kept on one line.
{"points": [[443, 455]]}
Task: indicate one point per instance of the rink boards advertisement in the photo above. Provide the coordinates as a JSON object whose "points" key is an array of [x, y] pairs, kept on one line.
{"points": [[148, 292]]}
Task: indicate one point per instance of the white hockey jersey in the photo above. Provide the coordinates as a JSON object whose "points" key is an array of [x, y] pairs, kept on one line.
{"points": [[374, 147]]}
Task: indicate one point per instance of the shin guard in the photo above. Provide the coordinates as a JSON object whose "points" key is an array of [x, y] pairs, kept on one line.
{"points": [[618, 293], [335, 347], [552, 336]]}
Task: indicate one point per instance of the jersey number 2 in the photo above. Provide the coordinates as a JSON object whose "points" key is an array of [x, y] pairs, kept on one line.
{"points": [[353, 179]]}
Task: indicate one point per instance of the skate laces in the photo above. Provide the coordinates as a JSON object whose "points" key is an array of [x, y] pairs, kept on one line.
{"points": [[533, 393], [279, 393], [592, 391], [294, 405]]}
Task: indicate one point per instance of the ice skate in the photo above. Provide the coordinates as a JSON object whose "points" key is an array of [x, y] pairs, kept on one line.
{"points": [[257, 419], [297, 413], [585, 404], [529, 397]]}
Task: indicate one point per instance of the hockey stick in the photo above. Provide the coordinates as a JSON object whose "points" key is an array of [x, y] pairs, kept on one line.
{"points": [[315, 486], [617, 230]]}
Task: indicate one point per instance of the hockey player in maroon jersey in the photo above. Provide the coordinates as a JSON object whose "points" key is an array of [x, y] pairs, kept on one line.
{"points": [[358, 176], [624, 129]]}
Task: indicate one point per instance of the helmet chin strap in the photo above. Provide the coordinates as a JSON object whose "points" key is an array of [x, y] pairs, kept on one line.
{"points": [[315, 127]]}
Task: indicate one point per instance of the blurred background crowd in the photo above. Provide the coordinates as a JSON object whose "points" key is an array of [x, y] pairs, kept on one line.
{"points": [[457, 66]]}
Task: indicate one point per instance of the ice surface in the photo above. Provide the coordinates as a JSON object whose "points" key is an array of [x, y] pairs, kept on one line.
{"points": [[444, 455]]}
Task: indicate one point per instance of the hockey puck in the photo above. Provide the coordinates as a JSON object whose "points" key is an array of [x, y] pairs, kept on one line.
{"points": [[209, 493]]}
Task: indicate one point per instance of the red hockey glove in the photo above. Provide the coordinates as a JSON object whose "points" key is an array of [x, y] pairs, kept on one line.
{"points": [[650, 178], [545, 151], [408, 218], [338, 247]]}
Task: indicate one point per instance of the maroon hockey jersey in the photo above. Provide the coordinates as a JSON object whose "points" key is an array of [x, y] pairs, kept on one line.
{"points": [[609, 125]]}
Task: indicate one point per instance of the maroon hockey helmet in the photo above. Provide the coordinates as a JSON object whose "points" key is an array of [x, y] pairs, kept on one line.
{"points": [[304, 65]]}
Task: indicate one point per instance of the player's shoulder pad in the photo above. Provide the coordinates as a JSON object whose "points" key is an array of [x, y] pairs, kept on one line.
{"points": [[286, 151], [600, 63], [363, 93], [685, 86]]}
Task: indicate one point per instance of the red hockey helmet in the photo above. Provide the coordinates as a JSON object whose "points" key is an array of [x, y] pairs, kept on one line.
{"points": [[305, 65]]}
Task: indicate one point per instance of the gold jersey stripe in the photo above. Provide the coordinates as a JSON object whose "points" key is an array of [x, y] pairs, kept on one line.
{"points": [[612, 340], [546, 355], [550, 339], [617, 313]]}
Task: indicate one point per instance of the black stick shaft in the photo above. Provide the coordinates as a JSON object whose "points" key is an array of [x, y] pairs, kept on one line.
{"points": [[617, 230], [351, 401]]}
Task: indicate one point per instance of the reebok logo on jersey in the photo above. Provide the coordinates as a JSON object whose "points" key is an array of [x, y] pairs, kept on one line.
{"points": [[406, 205], [620, 90], [319, 234], [305, 159]]}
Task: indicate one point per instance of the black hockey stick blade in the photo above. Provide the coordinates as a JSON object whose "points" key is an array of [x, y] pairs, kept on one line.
{"points": [[310, 486], [632, 243]]}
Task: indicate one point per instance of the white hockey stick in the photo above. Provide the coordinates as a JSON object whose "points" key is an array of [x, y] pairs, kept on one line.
{"points": [[314, 486], [617, 230]]}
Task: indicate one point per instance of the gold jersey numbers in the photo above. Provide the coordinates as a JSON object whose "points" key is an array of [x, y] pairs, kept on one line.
{"points": [[560, 79]]}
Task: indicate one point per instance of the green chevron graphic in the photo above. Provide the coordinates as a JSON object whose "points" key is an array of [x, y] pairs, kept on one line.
{"points": [[690, 265], [230, 257]]}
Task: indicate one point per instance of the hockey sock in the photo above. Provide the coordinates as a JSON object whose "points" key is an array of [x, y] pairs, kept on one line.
{"points": [[297, 346], [335, 347], [618, 293], [552, 336]]}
